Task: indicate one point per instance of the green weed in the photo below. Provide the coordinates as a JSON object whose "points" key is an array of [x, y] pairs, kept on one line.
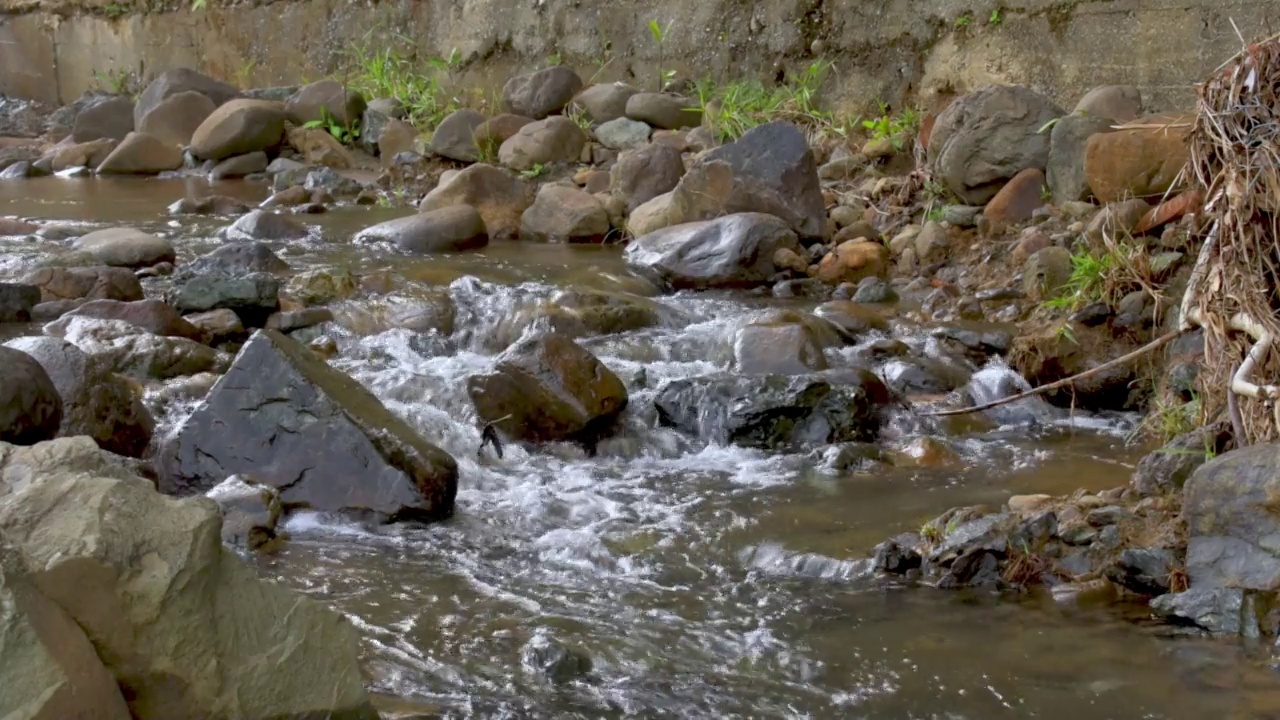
{"points": [[345, 134], [116, 82], [898, 129], [538, 170], [996, 17], [660, 34], [421, 86], [964, 20], [1105, 276], [115, 10], [735, 108]]}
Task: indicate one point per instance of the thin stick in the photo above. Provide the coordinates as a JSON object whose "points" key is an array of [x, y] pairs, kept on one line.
{"points": [[1153, 345]]}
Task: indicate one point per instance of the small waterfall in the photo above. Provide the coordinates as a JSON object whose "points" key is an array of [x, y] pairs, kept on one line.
{"points": [[997, 381]]}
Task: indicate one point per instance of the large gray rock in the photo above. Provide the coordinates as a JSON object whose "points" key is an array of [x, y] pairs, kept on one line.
{"points": [[774, 172], [59, 283], [539, 94], [1167, 469], [236, 258], [175, 119], [265, 225], [735, 251], [284, 416], [564, 214], [30, 407], [1218, 610], [775, 412], [556, 139], [548, 388], [253, 297], [497, 194], [455, 138], [178, 81], [643, 174], [21, 466], [451, 229], [1065, 173], [1233, 520], [109, 117], [623, 134], [50, 670], [325, 100], [237, 128], [186, 629], [605, 102], [986, 137], [95, 402], [126, 247]]}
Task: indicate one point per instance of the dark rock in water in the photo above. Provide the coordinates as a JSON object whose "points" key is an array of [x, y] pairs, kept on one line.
{"points": [[805, 288], [30, 407], [95, 402], [263, 225], [1167, 469], [771, 411], [919, 376], [544, 389], [553, 660], [539, 94], [1233, 520], [290, 320], [1034, 532], [975, 568], [1144, 571], [979, 341], [1217, 610], [17, 171], [253, 297], [17, 301], [250, 511], [874, 290], [844, 457], [898, 555], [284, 416], [774, 172], [735, 251], [58, 283], [238, 166], [331, 181], [449, 229], [237, 259], [853, 320], [988, 533]]}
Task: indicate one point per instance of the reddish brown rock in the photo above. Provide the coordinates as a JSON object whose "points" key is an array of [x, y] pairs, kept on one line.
{"points": [[1169, 211], [1018, 199], [1140, 161], [853, 260]]}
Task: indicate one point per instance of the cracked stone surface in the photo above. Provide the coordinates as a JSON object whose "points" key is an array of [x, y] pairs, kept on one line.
{"points": [[283, 416]]}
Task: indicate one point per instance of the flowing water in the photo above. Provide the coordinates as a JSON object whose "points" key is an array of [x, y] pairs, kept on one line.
{"points": [[701, 581]]}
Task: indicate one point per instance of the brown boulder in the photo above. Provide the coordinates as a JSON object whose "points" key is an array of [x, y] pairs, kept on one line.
{"points": [[88, 154], [645, 173], [1018, 199], [490, 134], [852, 261], [564, 214], [1173, 209], [110, 118], [497, 194], [1138, 162], [154, 316], [398, 136], [544, 389], [324, 101], [113, 283], [141, 154], [543, 142], [541, 93], [175, 119], [319, 147], [179, 81], [239, 127]]}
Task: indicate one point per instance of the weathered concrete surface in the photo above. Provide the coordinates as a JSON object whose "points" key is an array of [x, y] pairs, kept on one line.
{"points": [[884, 49]]}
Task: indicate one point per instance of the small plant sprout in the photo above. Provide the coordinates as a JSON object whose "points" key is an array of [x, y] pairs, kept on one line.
{"points": [[996, 18], [964, 20], [897, 129], [538, 170], [346, 134], [660, 34]]}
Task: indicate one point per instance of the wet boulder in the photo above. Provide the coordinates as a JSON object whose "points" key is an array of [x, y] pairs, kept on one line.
{"points": [[16, 301], [539, 94], [1232, 520], [30, 407], [250, 511], [50, 669], [642, 174], [1217, 610], [564, 214], [735, 251], [175, 119], [195, 607], [774, 412], [556, 139], [553, 660], [1139, 162], [774, 172], [605, 102], [853, 319], [238, 166], [108, 117], [236, 258], [126, 247], [783, 348], [209, 205], [265, 225], [667, 111], [325, 101], [95, 402], [294, 423], [128, 350], [548, 388], [497, 194], [153, 316], [449, 229], [1145, 571], [253, 296], [986, 137], [140, 153], [239, 127], [177, 82], [455, 138]]}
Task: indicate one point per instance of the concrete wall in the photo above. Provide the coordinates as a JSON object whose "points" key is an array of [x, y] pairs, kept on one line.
{"points": [[53, 50]]}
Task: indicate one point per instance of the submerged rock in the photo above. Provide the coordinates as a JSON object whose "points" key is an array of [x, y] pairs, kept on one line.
{"points": [[250, 511], [284, 416], [553, 660], [544, 389], [126, 247], [774, 412], [190, 616], [449, 229]]}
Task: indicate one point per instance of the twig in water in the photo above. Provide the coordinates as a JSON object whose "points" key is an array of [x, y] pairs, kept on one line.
{"points": [[1153, 345]]}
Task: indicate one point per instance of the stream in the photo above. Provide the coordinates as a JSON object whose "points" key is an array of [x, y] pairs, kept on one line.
{"points": [[699, 580]]}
